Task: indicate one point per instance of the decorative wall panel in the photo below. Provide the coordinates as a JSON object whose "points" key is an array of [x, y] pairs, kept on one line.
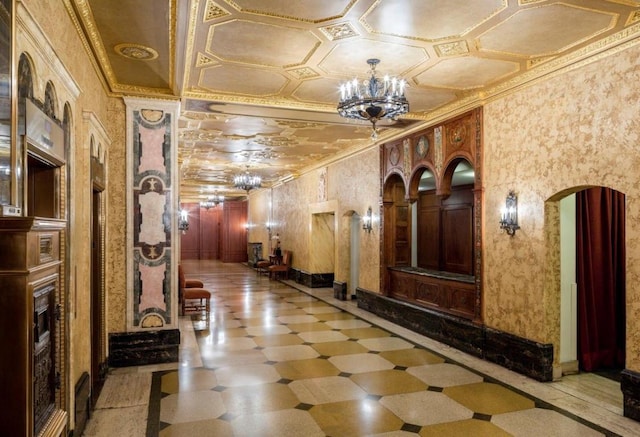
{"points": [[152, 203]]}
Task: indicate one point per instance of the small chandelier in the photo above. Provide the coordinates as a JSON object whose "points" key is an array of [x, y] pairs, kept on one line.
{"points": [[246, 181], [212, 201], [373, 99]]}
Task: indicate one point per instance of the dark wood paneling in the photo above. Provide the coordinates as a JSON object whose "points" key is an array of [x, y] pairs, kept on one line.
{"points": [[209, 233], [402, 229], [429, 237], [451, 296], [234, 232], [445, 231], [457, 239], [190, 240]]}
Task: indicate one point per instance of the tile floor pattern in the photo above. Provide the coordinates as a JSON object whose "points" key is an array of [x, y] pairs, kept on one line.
{"points": [[273, 361]]}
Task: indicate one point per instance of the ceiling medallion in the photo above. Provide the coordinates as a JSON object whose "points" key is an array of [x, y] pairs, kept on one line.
{"points": [[339, 31], [373, 99], [136, 52]]}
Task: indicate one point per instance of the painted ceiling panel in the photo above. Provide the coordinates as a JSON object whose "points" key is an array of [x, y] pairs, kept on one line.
{"points": [[258, 80]]}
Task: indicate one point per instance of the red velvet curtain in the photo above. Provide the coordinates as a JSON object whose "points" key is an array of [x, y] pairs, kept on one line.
{"points": [[601, 278]]}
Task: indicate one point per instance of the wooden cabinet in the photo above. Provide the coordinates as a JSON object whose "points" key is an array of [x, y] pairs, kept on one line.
{"points": [[29, 282], [449, 295]]}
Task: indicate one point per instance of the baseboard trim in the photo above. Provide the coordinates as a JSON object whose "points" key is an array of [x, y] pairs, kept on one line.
{"points": [[513, 352]]}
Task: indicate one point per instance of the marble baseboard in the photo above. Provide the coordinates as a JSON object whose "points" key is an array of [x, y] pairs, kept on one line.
{"points": [[519, 354], [630, 386], [340, 290], [82, 406], [312, 280], [142, 348], [515, 353]]}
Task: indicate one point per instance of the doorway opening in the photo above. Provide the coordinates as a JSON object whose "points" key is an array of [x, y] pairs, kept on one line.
{"points": [[354, 254], [593, 288], [322, 255]]}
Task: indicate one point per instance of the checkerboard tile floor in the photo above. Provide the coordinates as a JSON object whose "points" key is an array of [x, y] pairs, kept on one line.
{"points": [[278, 362]]}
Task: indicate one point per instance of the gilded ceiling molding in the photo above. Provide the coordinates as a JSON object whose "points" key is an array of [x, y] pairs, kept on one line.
{"points": [[199, 135], [532, 63], [290, 17], [189, 43], [119, 88], [258, 155], [279, 141], [84, 22], [339, 31], [318, 43], [306, 58], [367, 26], [77, 10], [634, 3], [262, 101], [173, 26], [634, 17], [454, 48], [204, 61], [294, 124], [137, 52], [303, 73], [213, 11], [591, 53]]}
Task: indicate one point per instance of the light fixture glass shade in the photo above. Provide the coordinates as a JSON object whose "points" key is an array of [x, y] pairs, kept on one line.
{"points": [[183, 220], [247, 182], [509, 215], [367, 220], [373, 99]]}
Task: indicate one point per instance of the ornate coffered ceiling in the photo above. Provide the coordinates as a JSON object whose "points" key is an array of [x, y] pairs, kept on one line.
{"points": [[258, 79]]}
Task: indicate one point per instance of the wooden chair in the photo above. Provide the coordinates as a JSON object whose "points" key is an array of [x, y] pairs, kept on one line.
{"points": [[262, 266], [192, 290], [283, 267]]}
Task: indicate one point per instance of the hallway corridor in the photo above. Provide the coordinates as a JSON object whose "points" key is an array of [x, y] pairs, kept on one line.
{"points": [[274, 360]]}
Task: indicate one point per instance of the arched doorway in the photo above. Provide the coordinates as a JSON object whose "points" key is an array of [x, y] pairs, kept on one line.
{"points": [[593, 285]]}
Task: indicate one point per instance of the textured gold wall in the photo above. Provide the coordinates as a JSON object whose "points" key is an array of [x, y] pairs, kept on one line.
{"points": [[352, 185], [573, 130], [46, 34], [259, 216]]}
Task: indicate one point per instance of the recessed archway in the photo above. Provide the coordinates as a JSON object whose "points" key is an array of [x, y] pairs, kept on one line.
{"points": [[586, 241]]}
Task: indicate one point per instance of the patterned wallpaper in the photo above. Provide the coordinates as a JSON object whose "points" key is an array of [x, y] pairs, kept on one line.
{"points": [[341, 189]]}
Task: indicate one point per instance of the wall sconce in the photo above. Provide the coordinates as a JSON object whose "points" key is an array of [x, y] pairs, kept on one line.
{"points": [[367, 220], [183, 221], [509, 215]]}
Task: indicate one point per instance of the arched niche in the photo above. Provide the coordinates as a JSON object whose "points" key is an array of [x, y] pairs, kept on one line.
{"points": [[49, 106], [25, 77], [432, 241], [396, 227]]}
